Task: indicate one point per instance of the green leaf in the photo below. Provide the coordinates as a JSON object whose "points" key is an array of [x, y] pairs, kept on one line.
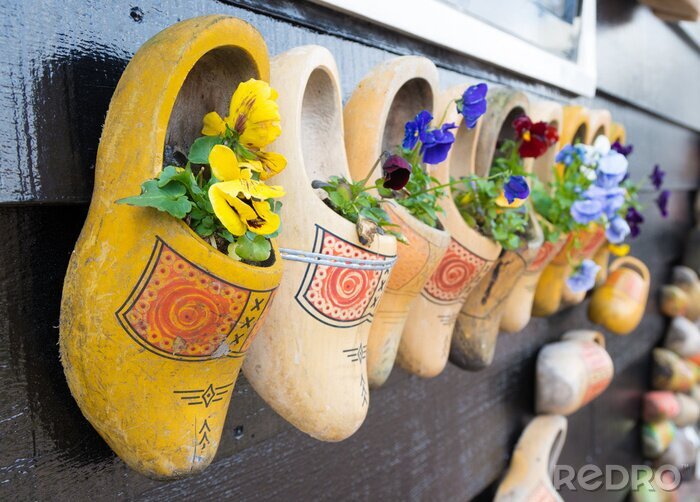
{"points": [[199, 151], [257, 249], [170, 198], [205, 227]]}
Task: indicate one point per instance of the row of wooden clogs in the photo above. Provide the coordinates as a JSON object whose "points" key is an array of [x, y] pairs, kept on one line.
{"points": [[154, 373]]}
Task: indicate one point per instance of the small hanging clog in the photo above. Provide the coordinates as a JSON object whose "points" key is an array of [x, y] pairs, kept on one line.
{"points": [[665, 405], [518, 308], [686, 279], [656, 438], [155, 322], [619, 304], [572, 372], [375, 116], [683, 338], [474, 338], [673, 301], [309, 362], [670, 372], [529, 476], [425, 343]]}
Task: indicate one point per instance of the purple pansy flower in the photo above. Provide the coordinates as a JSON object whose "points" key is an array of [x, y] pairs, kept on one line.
{"points": [[584, 277], [634, 219], [612, 169], [586, 211], [617, 230], [662, 202], [516, 188], [396, 171], [415, 128], [566, 155], [437, 143], [473, 104], [657, 177], [622, 149]]}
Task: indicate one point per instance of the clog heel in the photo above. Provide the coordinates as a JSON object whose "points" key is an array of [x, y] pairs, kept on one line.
{"points": [[155, 322], [529, 476], [518, 309], [389, 96], [425, 343], [474, 338], [309, 362], [572, 372], [619, 304]]}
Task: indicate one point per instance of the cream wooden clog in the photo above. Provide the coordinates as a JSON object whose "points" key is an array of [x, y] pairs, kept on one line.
{"points": [[518, 309], [683, 338], [425, 343], [474, 339], [309, 363], [619, 304], [375, 115], [687, 279], [529, 476], [572, 372], [155, 322]]}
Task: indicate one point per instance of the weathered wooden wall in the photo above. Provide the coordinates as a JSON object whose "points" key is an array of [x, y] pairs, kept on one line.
{"points": [[445, 439]]}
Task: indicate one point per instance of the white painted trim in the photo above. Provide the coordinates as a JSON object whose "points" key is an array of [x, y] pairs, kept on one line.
{"points": [[443, 25]]}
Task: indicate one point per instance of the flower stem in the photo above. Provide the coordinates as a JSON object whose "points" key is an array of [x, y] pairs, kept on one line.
{"points": [[444, 113], [374, 168]]}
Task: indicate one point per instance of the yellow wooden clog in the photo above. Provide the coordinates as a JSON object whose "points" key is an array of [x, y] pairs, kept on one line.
{"points": [[155, 322], [375, 116], [619, 304], [309, 361]]}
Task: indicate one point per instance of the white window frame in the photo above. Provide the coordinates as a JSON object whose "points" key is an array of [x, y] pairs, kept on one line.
{"points": [[441, 24]]}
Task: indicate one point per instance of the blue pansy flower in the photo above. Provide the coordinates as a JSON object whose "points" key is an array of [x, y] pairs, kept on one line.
{"points": [[618, 230], [415, 128], [657, 177], [584, 153], [516, 188], [473, 104], [437, 143], [612, 199], [612, 169], [566, 155], [586, 211], [583, 278]]}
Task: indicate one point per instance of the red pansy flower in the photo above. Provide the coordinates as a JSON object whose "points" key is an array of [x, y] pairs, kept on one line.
{"points": [[535, 138]]}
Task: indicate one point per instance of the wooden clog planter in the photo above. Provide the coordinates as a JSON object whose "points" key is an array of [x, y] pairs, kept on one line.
{"points": [[529, 476], [518, 309], [476, 330], [572, 372], [619, 304], [599, 124], [309, 362], [390, 95], [425, 343], [682, 410], [155, 322]]}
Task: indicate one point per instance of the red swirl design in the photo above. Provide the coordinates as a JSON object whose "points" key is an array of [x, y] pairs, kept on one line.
{"points": [[457, 271], [343, 288]]}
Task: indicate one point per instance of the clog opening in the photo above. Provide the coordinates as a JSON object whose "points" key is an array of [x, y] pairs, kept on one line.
{"points": [[413, 96], [634, 268], [580, 134], [599, 132], [507, 132], [543, 165], [322, 128], [208, 87]]}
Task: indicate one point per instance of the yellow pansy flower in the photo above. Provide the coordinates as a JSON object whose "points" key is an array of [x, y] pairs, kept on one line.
{"points": [[253, 114], [239, 215], [619, 249], [225, 166], [271, 163], [501, 201]]}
